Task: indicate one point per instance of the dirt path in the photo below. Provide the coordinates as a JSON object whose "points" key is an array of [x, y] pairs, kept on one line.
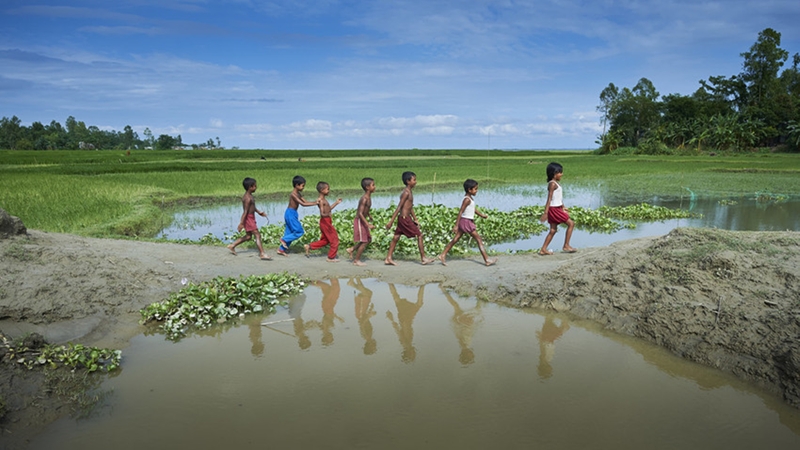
{"points": [[730, 300]]}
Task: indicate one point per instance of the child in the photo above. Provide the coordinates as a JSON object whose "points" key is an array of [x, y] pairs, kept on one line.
{"points": [[465, 223], [248, 220], [294, 229], [554, 210], [407, 224], [361, 226], [329, 235]]}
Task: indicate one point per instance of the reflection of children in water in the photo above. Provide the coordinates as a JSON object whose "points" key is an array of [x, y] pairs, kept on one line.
{"points": [[547, 344], [406, 311], [257, 346], [330, 295], [464, 324], [364, 311], [295, 312]]}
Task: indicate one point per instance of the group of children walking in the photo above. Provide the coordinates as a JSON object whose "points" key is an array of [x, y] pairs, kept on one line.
{"points": [[407, 224]]}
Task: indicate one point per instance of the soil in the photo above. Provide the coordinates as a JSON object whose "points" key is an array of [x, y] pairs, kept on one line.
{"points": [[730, 300]]}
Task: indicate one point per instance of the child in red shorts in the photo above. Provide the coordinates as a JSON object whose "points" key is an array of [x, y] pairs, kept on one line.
{"points": [[329, 234], [554, 210]]}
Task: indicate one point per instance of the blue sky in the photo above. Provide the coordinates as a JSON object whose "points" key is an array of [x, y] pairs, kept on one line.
{"points": [[364, 74]]}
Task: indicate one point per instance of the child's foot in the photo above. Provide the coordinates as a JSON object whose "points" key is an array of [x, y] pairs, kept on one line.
{"points": [[232, 249], [334, 260], [441, 258], [358, 263], [389, 262], [545, 252], [491, 262], [281, 252], [265, 257], [426, 261], [568, 249], [307, 247], [349, 252]]}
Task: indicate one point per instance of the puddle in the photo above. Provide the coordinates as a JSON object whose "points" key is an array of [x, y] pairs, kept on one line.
{"points": [[744, 214], [365, 364]]}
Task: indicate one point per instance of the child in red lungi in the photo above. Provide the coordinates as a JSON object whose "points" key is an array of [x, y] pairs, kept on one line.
{"points": [[329, 234], [407, 224], [554, 210]]}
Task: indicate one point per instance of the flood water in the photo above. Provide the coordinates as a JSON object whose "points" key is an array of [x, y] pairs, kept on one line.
{"points": [[741, 214], [366, 364]]}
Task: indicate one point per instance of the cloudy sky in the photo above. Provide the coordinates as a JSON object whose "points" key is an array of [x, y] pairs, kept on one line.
{"points": [[364, 74]]}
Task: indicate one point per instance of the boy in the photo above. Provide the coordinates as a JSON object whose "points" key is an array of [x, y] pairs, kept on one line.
{"points": [[248, 220], [329, 235], [294, 229], [407, 224], [361, 226]]}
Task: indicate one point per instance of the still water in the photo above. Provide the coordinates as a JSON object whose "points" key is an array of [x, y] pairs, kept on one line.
{"points": [[366, 364], [744, 214]]}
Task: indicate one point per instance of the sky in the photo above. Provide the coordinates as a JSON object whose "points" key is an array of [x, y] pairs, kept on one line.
{"points": [[331, 74]]}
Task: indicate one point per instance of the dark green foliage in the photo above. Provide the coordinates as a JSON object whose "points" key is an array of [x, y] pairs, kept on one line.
{"points": [[759, 107]]}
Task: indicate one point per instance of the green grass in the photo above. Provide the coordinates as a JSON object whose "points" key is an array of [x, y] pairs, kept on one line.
{"points": [[112, 193]]}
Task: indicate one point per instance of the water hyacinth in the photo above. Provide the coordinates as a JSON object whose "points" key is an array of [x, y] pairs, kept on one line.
{"points": [[218, 300], [436, 222]]}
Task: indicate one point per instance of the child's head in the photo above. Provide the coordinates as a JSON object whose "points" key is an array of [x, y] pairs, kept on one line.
{"points": [[298, 180], [321, 186], [248, 183], [469, 184], [366, 183], [407, 176], [552, 169]]}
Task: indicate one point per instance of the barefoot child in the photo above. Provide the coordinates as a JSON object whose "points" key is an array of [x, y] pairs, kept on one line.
{"points": [[329, 235], [407, 224], [248, 220], [554, 210], [465, 223], [361, 226], [294, 229]]}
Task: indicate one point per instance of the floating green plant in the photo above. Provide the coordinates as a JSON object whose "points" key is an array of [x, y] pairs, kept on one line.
{"points": [[218, 300]]}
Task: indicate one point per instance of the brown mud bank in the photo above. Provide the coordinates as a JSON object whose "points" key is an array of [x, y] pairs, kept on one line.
{"points": [[730, 300]]}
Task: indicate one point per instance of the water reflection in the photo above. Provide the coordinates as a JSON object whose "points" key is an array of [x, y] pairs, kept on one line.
{"points": [[547, 337], [404, 326], [364, 311], [472, 364], [464, 324]]}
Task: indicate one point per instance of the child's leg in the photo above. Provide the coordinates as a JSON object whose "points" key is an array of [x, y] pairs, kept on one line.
{"points": [[570, 227], [553, 230], [392, 245], [333, 238], [478, 239], [232, 247], [261, 253], [359, 249], [449, 246], [421, 246]]}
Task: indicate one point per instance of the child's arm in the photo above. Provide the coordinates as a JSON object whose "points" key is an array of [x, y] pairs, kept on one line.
{"points": [[362, 206], [301, 201], [338, 200], [403, 199], [245, 207], [550, 188], [480, 214]]}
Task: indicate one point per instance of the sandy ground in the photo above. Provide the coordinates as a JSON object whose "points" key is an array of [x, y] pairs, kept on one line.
{"points": [[730, 300]]}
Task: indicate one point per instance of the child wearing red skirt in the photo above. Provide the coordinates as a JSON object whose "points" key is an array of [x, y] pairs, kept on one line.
{"points": [[554, 211], [329, 234]]}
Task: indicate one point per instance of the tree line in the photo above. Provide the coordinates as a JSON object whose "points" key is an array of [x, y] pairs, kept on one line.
{"points": [[76, 135], [757, 108]]}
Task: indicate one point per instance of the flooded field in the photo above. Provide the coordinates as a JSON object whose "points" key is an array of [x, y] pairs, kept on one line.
{"points": [[740, 214], [366, 364]]}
